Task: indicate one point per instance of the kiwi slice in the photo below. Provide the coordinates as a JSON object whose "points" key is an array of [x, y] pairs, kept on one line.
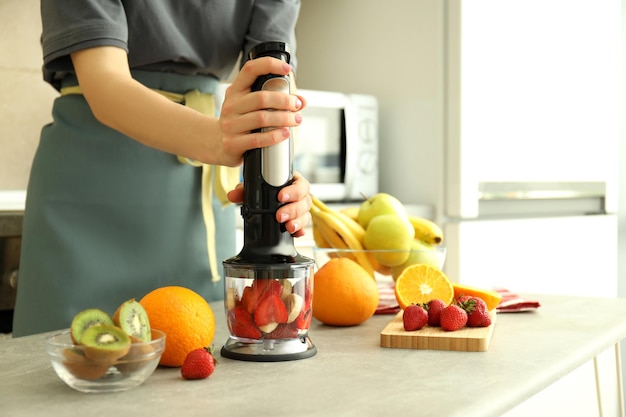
{"points": [[133, 319], [139, 355], [82, 368], [104, 343], [85, 319]]}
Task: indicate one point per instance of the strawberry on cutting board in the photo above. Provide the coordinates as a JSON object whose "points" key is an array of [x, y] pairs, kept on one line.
{"points": [[414, 317], [453, 318], [477, 312]]}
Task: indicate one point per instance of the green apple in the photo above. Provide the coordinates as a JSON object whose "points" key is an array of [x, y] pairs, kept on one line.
{"points": [[389, 232], [378, 204], [421, 253]]}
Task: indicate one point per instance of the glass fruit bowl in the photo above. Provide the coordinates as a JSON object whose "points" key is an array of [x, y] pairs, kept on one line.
{"points": [[386, 264], [103, 375]]}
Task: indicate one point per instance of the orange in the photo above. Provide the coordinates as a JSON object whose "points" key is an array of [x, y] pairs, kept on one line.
{"points": [[491, 298], [344, 293], [420, 283], [184, 316]]}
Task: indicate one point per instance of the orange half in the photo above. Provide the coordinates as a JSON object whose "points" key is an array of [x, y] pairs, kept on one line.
{"points": [[420, 283]]}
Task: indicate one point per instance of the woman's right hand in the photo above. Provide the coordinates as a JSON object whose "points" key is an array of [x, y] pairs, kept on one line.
{"points": [[245, 111]]}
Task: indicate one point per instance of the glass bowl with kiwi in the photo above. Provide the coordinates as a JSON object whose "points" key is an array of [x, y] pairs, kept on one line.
{"points": [[101, 356]]}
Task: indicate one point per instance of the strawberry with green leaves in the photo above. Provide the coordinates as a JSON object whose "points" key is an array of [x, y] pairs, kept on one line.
{"points": [[453, 318], [477, 313], [199, 364], [414, 317]]}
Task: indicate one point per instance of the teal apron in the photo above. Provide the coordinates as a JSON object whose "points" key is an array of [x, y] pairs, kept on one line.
{"points": [[108, 219]]}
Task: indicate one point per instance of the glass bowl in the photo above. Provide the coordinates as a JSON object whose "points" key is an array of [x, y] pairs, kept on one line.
{"points": [[85, 375], [381, 259]]}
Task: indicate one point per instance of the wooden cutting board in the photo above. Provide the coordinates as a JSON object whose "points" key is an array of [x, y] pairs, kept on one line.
{"points": [[468, 339]]}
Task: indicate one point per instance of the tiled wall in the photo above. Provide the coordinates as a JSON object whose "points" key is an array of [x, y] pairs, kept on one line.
{"points": [[25, 100]]}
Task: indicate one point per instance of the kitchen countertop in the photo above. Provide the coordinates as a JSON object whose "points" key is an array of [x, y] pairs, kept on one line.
{"points": [[351, 375]]}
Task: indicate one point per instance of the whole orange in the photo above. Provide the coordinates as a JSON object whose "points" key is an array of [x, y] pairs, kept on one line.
{"points": [[344, 293], [184, 316]]}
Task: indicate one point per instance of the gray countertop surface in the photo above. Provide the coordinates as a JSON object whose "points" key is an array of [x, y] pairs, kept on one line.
{"points": [[351, 375]]}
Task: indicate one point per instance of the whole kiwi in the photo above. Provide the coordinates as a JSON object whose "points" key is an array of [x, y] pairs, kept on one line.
{"points": [[85, 319], [105, 343], [131, 317]]}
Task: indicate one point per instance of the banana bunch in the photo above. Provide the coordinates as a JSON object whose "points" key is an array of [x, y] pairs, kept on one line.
{"points": [[334, 229], [340, 229]]}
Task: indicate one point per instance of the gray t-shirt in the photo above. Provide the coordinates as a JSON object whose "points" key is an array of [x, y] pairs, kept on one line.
{"points": [[184, 36]]}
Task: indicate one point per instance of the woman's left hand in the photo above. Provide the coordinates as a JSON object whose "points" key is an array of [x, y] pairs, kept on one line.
{"points": [[295, 213]]}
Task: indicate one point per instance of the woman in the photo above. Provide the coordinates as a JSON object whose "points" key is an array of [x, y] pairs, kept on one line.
{"points": [[111, 211]]}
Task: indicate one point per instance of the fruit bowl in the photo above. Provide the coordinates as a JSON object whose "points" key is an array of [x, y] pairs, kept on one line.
{"points": [[92, 376], [380, 260]]}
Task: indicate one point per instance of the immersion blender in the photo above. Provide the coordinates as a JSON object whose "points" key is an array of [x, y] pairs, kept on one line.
{"points": [[268, 285]]}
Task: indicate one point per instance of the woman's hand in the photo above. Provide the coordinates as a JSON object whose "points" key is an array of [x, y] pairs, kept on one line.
{"points": [[244, 111], [295, 213]]}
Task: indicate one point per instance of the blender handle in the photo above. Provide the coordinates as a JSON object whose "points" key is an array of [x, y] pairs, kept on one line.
{"points": [[276, 166]]}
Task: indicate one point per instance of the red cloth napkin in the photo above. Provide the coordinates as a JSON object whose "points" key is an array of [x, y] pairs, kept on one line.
{"points": [[387, 303], [511, 302]]}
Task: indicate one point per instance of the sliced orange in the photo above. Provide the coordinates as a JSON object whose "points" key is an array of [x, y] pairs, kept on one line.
{"points": [[420, 283], [491, 298]]}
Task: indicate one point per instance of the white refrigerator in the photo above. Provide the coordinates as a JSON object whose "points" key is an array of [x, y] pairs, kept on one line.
{"points": [[531, 160], [531, 155]]}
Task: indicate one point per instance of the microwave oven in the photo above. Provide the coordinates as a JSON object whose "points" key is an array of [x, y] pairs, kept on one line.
{"points": [[336, 145]]}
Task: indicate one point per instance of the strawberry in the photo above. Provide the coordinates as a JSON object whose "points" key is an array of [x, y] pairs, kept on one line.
{"points": [[241, 324], [414, 317], [199, 364], [283, 331], [253, 294], [303, 321], [270, 312], [477, 313], [453, 318], [434, 308]]}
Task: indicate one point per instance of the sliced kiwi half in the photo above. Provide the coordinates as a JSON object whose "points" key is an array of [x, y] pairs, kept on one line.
{"points": [[104, 343], [131, 317], [78, 365], [85, 319]]}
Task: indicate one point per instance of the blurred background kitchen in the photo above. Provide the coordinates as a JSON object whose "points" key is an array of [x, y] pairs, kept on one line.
{"points": [[409, 54]]}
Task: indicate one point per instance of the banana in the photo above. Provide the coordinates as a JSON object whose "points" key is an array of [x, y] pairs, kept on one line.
{"points": [[319, 238], [355, 228], [352, 212], [319, 203], [339, 236], [426, 230]]}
